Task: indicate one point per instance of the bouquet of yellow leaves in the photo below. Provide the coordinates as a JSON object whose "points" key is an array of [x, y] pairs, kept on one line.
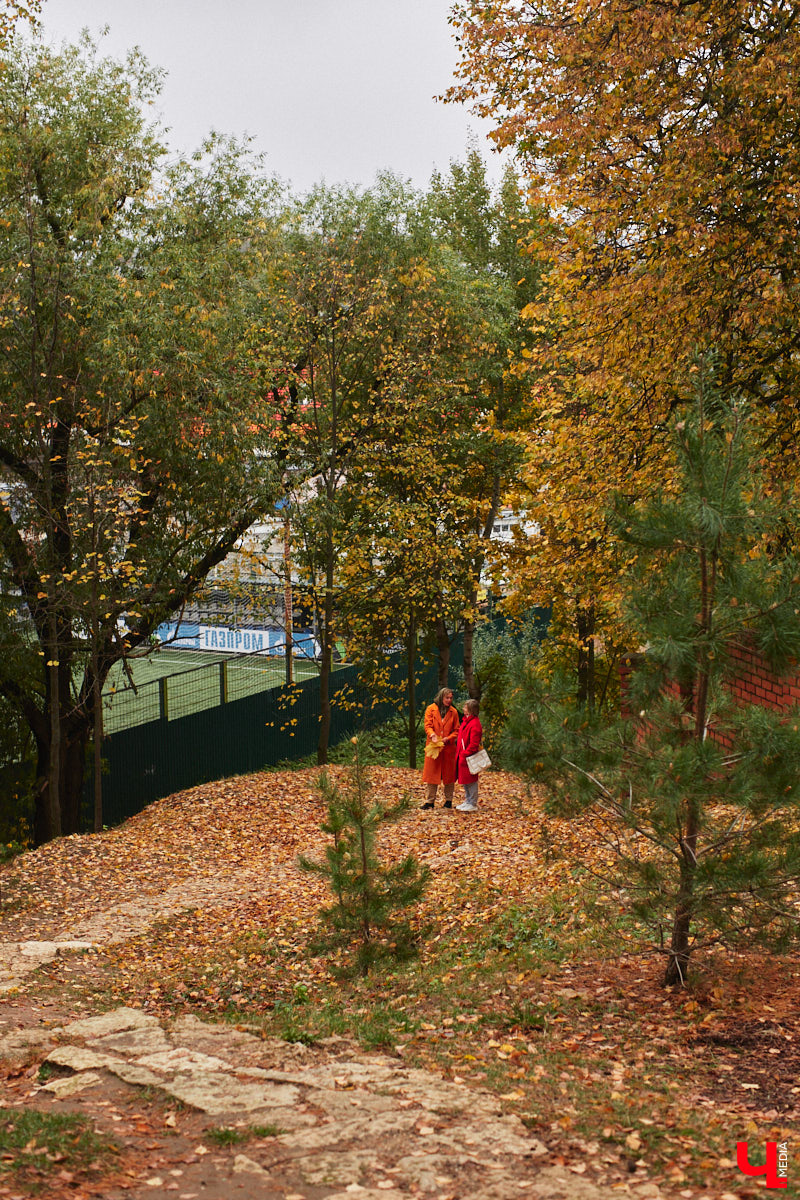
{"points": [[434, 746]]}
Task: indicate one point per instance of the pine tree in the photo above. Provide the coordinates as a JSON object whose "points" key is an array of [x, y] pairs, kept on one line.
{"points": [[698, 794], [369, 895]]}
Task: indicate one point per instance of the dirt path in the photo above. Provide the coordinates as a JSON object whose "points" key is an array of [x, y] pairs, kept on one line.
{"points": [[129, 919]]}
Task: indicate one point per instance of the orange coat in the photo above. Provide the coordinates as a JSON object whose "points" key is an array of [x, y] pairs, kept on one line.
{"points": [[441, 769]]}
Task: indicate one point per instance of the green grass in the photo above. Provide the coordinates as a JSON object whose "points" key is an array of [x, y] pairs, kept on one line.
{"points": [[375, 1026], [234, 1135], [384, 746], [37, 1143], [9, 850]]}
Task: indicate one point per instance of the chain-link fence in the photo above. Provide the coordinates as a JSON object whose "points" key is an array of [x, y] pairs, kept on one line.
{"points": [[168, 684]]}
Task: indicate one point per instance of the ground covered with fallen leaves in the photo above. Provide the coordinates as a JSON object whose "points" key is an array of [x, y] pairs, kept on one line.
{"points": [[532, 981]]}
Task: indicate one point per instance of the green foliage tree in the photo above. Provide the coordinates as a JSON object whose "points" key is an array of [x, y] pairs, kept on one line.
{"points": [[397, 312], [408, 568], [490, 234], [130, 417], [698, 795], [369, 895], [425, 500], [501, 658], [409, 560], [334, 291], [377, 324]]}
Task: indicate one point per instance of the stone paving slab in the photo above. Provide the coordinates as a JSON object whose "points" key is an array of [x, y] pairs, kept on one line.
{"points": [[73, 1084], [19, 959]]}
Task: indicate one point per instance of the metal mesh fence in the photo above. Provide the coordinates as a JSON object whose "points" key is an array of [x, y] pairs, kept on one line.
{"points": [[169, 684]]}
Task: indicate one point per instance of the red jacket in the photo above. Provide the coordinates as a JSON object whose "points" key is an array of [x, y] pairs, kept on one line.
{"points": [[470, 736]]}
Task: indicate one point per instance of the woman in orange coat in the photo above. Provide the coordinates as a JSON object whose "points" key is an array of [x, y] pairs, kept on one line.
{"points": [[441, 732]]}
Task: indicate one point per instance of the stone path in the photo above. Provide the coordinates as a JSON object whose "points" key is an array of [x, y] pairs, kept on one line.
{"points": [[337, 1124], [131, 918]]}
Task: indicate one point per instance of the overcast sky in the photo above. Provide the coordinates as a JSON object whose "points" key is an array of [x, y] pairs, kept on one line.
{"points": [[333, 89]]}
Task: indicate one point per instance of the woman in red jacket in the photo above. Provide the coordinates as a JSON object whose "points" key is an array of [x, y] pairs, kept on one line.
{"points": [[441, 730], [470, 736]]}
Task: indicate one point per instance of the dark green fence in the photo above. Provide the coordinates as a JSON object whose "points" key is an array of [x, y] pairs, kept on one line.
{"points": [[280, 724], [162, 756]]}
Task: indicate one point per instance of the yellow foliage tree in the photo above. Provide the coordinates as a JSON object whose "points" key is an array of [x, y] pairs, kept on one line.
{"points": [[665, 137]]}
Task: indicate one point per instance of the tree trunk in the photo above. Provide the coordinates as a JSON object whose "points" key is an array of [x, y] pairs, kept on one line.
{"points": [[52, 790], [443, 647], [326, 661], [411, 656], [585, 621], [73, 773], [98, 753], [696, 701], [96, 691], [41, 812], [65, 761], [679, 948], [470, 678], [677, 971]]}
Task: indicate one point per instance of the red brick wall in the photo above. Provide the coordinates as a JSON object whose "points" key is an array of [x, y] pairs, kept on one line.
{"points": [[753, 683]]}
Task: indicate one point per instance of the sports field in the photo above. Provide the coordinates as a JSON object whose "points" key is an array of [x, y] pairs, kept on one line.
{"points": [[193, 680]]}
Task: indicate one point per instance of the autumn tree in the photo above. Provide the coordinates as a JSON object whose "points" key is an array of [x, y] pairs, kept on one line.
{"points": [[398, 311], [407, 570], [331, 296], [420, 500], [664, 137], [129, 423], [371, 316], [14, 11], [696, 793]]}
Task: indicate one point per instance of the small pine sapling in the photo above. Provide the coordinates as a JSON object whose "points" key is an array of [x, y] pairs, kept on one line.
{"points": [[370, 896]]}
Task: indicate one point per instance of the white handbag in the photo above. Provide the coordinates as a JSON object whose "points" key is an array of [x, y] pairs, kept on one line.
{"points": [[478, 762]]}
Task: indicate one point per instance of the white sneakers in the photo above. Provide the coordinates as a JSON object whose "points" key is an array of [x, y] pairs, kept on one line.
{"points": [[467, 807]]}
